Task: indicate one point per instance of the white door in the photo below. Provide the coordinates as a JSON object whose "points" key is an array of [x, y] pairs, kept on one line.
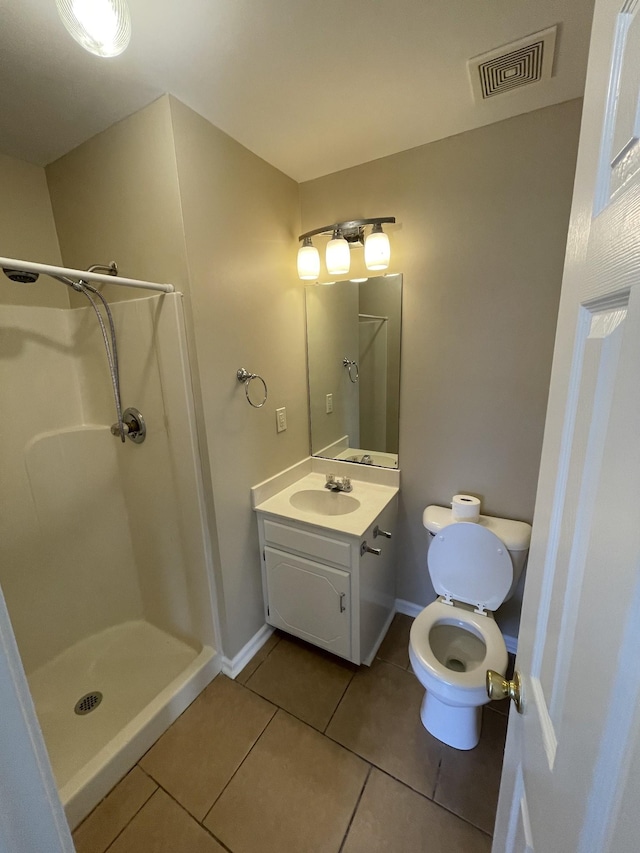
{"points": [[571, 779], [31, 815]]}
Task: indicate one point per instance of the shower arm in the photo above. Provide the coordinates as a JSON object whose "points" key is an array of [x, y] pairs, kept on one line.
{"points": [[84, 275]]}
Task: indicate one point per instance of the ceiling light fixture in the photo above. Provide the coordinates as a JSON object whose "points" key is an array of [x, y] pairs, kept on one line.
{"points": [[103, 27], [344, 236]]}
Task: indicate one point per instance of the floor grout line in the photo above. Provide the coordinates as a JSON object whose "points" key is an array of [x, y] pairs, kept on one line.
{"points": [[268, 655], [249, 751], [192, 816], [355, 808], [435, 802], [392, 663], [292, 713], [110, 792], [113, 841], [216, 839], [346, 687], [437, 779]]}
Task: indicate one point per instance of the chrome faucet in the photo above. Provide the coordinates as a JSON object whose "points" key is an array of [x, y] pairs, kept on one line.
{"points": [[338, 484], [366, 459]]}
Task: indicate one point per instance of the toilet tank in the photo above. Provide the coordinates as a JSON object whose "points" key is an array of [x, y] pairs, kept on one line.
{"points": [[516, 535]]}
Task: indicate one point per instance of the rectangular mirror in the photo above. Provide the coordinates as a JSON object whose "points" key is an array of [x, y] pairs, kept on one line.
{"points": [[353, 361]]}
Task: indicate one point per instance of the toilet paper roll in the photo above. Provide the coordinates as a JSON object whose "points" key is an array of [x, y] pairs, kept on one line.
{"points": [[465, 508]]}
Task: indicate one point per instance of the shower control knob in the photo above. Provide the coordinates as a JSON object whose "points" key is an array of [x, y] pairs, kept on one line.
{"points": [[498, 687], [133, 426]]}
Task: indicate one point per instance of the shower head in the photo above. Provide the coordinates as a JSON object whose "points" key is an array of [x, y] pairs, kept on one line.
{"points": [[26, 277], [22, 276]]}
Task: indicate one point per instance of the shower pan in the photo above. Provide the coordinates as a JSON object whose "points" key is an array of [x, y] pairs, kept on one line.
{"points": [[104, 557]]}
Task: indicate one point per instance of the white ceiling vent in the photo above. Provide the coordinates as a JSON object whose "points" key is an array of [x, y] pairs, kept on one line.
{"points": [[528, 60]]}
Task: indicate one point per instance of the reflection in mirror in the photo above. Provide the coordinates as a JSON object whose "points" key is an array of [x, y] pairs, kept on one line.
{"points": [[353, 357]]}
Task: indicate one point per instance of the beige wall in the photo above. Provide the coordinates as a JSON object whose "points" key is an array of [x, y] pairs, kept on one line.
{"points": [[28, 232], [116, 197], [482, 222], [241, 221]]}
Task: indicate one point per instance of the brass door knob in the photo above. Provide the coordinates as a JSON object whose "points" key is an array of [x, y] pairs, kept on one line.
{"points": [[499, 688]]}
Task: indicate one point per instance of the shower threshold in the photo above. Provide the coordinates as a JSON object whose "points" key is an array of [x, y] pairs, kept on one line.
{"points": [[146, 677]]}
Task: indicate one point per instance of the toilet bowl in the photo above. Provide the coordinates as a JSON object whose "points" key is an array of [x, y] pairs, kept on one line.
{"points": [[455, 640]]}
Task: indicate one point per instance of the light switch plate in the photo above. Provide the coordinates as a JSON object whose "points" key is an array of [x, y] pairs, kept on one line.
{"points": [[329, 403], [281, 419]]}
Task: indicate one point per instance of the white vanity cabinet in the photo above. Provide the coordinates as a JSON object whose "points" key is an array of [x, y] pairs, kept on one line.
{"points": [[320, 584]]}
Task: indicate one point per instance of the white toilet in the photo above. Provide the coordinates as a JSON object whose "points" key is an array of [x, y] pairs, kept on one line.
{"points": [[474, 567]]}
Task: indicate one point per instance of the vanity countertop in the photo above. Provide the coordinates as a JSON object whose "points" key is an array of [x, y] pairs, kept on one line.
{"points": [[371, 497]]}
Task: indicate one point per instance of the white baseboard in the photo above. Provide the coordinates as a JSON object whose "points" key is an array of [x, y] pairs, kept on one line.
{"points": [[411, 609], [234, 666], [408, 607]]}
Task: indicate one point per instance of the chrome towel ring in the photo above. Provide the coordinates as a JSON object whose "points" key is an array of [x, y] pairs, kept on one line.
{"points": [[351, 365], [245, 376]]}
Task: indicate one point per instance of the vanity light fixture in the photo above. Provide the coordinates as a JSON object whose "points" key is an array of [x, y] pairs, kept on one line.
{"points": [[337, 257], [345, 235], [308, 261], [103, 27], [377, 252]]}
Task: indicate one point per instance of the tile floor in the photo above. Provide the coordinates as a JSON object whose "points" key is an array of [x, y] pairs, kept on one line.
{"points": [[305, 753]]}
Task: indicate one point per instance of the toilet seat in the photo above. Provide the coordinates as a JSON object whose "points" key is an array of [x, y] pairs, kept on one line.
{"points": [[469, 563], [457, 688]]}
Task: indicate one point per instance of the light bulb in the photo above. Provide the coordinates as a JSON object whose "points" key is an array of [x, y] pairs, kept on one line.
{"points": [[338, 257], [103, 27], [308, 261], [377, 252]]}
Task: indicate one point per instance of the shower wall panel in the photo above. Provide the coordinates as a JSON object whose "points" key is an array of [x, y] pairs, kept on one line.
{"points": [[63, 554], [159, 478], [94, 532]]}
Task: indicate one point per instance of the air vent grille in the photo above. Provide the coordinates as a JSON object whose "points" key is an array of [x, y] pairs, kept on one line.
{"points": [[529, 60]]}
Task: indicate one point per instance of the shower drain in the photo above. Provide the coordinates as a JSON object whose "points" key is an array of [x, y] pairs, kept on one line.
{"points": [[87, 703]]}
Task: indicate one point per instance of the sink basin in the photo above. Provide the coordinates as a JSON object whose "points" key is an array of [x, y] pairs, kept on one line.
{"points": [[324, 502]]}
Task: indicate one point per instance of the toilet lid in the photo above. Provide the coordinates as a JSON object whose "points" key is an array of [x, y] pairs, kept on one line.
{"points": [[471, 564]]}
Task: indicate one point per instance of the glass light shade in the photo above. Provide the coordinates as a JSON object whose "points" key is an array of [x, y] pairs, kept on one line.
{"points": [[377, 251], [308, 262], [338, 257], [103, 27]]}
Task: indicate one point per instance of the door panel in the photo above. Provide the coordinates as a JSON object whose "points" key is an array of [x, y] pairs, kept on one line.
{"points": [[571, 779]]}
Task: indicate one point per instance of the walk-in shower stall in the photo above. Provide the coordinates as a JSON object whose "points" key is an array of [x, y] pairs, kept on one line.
{"points": [[104, 555]]}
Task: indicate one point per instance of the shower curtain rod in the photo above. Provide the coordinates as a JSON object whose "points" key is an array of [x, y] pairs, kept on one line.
{"points": [[372, 317], [46, 269]]}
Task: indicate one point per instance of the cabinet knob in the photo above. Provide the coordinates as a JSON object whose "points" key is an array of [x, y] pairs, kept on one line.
{"points": [[365, 549], [378, 532]]}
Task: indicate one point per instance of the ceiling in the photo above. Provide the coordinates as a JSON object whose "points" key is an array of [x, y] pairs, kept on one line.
{"points": [[312, 87]]}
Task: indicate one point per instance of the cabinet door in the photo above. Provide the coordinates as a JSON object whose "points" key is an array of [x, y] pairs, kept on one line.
{"points": [[377, 585], [309, 600]]}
